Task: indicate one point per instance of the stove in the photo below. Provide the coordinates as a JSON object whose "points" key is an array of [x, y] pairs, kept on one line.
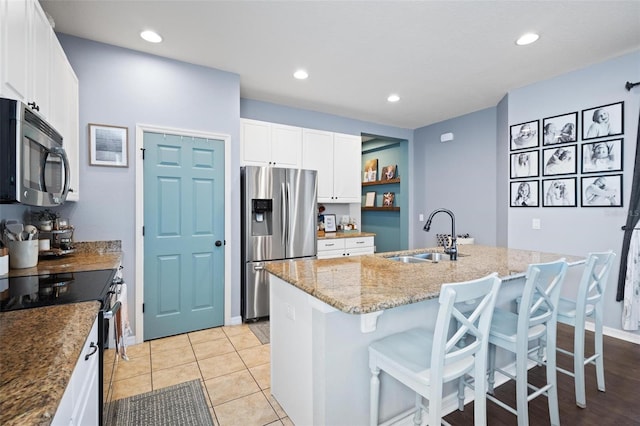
{"points": [[35, 291]]}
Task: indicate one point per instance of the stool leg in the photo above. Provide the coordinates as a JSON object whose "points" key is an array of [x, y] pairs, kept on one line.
{"points": [[599, 347], [522, 404], [578, 364], [492, 368], [552, 393], [417, 417], [374, 398], [461, 393]]}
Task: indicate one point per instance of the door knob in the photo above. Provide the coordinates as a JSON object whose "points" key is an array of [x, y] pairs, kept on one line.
{"points": [[218, 243]]}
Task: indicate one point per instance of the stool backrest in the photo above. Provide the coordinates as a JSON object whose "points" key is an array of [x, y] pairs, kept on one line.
{"points": [[541, 294], [471, 324], [594, 278]]}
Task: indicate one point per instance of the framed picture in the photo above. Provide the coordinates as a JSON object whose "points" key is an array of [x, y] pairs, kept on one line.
{"points": [[525, 135], [559, 192], [602, 156], [560, 129], [371, 170], [388, 173], [525, 164], [370, 199], [524, 194], [330, 223], [387, 199], [559, 161], [108, 145], [602, 191], [605, 120]]}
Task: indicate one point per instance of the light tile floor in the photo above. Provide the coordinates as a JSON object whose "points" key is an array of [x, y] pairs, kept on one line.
{"points": [[231, 363]]}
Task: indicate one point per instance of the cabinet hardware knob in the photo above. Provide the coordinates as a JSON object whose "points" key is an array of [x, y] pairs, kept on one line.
{"points": [[95, 349]]}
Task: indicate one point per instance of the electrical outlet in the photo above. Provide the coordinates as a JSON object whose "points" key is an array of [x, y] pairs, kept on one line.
{"points": [[535, 223], [421, 217]]}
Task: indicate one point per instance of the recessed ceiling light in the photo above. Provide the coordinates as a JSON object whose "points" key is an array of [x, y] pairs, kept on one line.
{"points": [[151, 36], [301, 75], [393, 98], [527, 38]]}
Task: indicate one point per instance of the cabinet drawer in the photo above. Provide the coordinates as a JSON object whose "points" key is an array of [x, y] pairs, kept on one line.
{"points": [[359, 242], [334, 244]]}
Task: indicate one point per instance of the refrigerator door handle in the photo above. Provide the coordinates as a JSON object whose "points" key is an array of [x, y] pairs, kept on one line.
{"points": [[285, 214]]}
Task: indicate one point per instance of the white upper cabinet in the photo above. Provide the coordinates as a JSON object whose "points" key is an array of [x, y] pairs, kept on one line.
{"points": [[34, 69], [270, 144], [336, 157]]}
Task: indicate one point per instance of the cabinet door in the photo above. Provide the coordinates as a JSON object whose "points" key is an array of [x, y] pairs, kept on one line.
{"points": [[41, 62], [14, 51], [286, 146], [347, 159], [317, 154], [255, 143]]}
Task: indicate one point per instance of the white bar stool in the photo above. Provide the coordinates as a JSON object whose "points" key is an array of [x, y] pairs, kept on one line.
{"points": [[424, 360], [536, 317], [588, 302]]}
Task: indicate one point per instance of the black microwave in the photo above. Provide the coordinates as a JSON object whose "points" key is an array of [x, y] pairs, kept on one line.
{"points": [[34, 168]]}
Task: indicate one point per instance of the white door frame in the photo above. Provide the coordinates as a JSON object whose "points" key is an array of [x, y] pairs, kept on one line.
{"points": [[139, 201]]}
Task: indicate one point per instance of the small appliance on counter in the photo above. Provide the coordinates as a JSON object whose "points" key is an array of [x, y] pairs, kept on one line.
{"points": [[60, 238]]}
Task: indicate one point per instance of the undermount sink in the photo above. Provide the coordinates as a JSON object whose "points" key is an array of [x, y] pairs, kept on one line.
{"points": [[407, 259], [434, 257], [423, 257]]}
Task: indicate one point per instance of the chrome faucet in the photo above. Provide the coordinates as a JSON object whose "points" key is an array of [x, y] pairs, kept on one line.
{"points": [[452, 250]]}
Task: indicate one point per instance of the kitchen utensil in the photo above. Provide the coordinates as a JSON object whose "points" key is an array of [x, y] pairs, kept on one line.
{"points": [[9, 235], [16, 229], [31, 232]]}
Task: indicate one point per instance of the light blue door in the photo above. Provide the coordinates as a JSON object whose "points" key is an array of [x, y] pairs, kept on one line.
{"points": [[183, 234]]}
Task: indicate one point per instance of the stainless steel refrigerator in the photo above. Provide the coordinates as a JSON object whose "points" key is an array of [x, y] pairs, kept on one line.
{"points": [[279, 219]]}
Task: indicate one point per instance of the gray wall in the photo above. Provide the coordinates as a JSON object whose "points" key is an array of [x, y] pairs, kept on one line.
{"points": [[124, 88], [579, 230], [459, 175]]}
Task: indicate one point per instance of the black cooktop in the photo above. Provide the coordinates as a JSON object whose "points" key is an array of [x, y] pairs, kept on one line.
{"points": [[35, 291]]}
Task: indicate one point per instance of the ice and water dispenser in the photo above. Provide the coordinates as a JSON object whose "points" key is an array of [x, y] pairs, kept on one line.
{"points": [[261, 217]]}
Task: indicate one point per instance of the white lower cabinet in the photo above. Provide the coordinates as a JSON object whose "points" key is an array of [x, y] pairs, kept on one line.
{"points": [[338, 247], [81, 399]]}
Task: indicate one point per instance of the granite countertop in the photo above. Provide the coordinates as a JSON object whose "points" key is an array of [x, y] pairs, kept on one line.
{"points": [[88, 256], [40, 348], [333, 235], [363, 284]]}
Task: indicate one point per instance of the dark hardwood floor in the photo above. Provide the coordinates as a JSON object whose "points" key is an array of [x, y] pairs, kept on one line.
{"points": [[619, 405]]}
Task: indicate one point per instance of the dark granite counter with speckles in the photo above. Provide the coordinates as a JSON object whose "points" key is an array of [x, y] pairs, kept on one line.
{"points": [[38, 351], [39, 347]]}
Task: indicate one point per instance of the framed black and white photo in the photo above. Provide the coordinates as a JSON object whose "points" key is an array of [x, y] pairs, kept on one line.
{"points": [[602, 191], [560, 129], [525, 135], [330, 223], [561, 160], [560, 192], [524, 194], [525, 164], [602, 156], [602, 121], [108, 145]]}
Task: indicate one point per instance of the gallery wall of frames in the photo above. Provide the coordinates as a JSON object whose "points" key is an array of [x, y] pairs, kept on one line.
{"points": [[568, 160]]}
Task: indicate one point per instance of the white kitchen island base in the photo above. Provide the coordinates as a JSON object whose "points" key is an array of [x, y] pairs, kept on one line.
{"points": [[320, 363]]}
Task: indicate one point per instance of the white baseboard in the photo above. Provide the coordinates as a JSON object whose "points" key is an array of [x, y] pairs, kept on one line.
{"points": [[627, 336], [235, 321]]}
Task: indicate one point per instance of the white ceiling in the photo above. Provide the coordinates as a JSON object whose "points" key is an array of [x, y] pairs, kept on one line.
{"points": [[444, 58]]}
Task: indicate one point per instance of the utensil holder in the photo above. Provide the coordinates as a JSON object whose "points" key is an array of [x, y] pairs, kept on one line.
{"points": [[23, 254]]}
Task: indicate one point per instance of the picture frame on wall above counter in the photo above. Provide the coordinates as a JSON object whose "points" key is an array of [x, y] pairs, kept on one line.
{"points": [[525, 135], [602, 156], [525, 164], [525, 193], [602, 191], [108, 145], [370, 170], [560, 129], [388, 172], [602, 121], [370, 199], [559, 192], [330, 223]]}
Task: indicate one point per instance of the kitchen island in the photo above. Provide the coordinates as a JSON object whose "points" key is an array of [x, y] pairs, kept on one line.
{"points": [[325, 313]]}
